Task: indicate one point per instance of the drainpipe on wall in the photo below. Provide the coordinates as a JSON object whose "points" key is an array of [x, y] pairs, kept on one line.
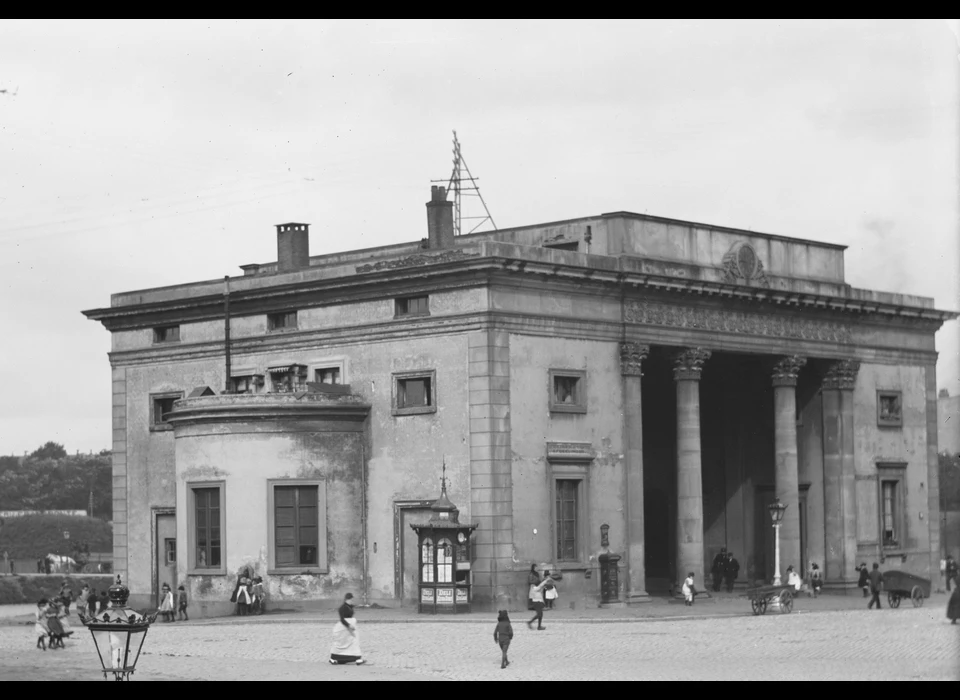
{"points": [[363, 521]]}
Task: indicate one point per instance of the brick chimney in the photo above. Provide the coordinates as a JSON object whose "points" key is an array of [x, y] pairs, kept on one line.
{"points": [[293, 247], [439, 219]]}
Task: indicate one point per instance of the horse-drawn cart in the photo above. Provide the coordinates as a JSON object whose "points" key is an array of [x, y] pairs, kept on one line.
{"points": [[777, 597], [900, 584]]}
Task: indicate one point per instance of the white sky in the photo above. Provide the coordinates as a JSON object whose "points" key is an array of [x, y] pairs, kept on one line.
{"points": [[140, 154]]}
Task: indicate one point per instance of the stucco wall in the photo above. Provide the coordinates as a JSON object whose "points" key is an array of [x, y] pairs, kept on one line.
{"points": [[874, 445], [533, 425]]}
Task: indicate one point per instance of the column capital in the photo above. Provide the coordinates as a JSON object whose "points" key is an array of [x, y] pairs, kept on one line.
{"points": [[842, 375], [632, 356], [787, 369], [688, 363]]}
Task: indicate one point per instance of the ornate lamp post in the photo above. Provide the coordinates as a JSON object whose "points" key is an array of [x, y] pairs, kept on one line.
{"points": [[776, 515], [118, 634]]}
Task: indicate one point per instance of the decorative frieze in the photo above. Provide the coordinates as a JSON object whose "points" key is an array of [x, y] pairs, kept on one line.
{"points": [[745, 323], [632, 356], [416, 261], [688, 364], [787, 369], [842, 375]]}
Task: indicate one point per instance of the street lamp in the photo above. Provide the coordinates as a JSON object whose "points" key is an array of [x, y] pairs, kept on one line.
{"points": [[776, 515], [118, 633]]}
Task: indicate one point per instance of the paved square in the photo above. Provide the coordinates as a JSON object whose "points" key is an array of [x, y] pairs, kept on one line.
{"points": [[904, 644]]}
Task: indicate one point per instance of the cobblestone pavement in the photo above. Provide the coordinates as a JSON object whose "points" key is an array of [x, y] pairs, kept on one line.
{"points": [[904, 644]]}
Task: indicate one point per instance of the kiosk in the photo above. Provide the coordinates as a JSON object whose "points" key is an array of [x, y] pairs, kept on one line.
{"points": [[444, 555]]}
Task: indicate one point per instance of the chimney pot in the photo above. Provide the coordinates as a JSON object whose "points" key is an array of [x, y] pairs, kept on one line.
{"points": [[293, 247]]}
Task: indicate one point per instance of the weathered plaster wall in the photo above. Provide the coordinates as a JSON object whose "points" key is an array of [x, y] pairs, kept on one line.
{"points": [[875, 445], [150, 464], [245, 456], [533, 425]]}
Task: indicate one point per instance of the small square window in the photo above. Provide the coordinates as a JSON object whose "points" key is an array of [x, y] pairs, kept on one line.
{"points": [[568, 391], [166, 334], [413, 306], [889, 408], [414, 392], [283, 321], [327, 375], [160, 406], [170, 551]]}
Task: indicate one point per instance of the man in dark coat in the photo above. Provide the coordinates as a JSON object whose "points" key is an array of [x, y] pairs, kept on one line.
{"points": [[876, 585], [730, 571], [717, 570]]}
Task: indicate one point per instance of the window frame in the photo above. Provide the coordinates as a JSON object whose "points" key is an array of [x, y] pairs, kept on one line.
{"points": [[579, 404], [398, 377], [397, 313], [191, 539], [163, 341], [896, 422], [272, 320], [892, 473], [579, 473], [322, 566], [156, 427]]}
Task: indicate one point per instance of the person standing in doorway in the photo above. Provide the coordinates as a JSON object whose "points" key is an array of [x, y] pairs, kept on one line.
{"points": [[719, 569], [730, 571], [536, 595], [876, 585]]}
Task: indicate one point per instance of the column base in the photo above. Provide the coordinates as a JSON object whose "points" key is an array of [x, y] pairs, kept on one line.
{"points": [[638, 598]]}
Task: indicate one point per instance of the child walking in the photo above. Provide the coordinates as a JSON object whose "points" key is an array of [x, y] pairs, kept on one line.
{"points": [[689, 591], [182, 604], [166, 603], [502, 635], [40, 626]]}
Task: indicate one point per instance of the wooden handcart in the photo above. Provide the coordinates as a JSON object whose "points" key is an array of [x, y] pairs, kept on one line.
{"points": [[762, 597], [900, 585]]}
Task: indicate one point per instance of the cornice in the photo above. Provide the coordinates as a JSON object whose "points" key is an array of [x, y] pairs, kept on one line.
{"points": [[260, 407]]}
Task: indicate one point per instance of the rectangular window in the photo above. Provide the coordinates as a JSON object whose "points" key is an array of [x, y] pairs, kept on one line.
{"points": [[283, 321], [207, 533], [160, 406], [298, 535], [327, 375], [889, 408], [414, 392], [288, 379], [891, 486], [247, 384], [413, 306], [568, 391], [166, 334], [170, 551], [567, 511]]}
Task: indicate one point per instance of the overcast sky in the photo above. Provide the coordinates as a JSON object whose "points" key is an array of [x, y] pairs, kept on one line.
{"points": [[141, 154]]}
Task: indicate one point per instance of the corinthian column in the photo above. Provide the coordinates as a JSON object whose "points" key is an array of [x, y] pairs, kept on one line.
{"points": [[632, 356], [839, 496], [688, 365], [785, 373]]}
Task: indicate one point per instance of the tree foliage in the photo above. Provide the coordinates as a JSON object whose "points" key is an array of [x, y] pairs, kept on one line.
{"points": [[50, 479], [34, 536]]}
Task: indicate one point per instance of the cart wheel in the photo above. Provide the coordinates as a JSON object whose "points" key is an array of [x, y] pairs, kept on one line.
{"points": [[916, 595], [893, 599], [763, 606], [786, 601], [757, 606]]}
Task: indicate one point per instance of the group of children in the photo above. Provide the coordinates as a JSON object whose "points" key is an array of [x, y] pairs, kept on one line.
{"points": [[52, 623], [169, 609], [248, 594]]}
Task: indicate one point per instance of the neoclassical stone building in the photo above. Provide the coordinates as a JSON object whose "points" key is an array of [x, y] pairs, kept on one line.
{"points": [[665, 378]]}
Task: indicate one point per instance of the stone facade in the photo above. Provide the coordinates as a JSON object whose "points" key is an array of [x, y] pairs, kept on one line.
{"points": [[664, 378]]}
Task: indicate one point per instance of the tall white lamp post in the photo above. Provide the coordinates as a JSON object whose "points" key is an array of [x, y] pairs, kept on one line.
{"points": [[776, 515]]}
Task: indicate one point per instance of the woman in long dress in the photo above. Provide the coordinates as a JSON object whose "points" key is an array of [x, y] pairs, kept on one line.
{"points": [[953, 607], [346, 642]]}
